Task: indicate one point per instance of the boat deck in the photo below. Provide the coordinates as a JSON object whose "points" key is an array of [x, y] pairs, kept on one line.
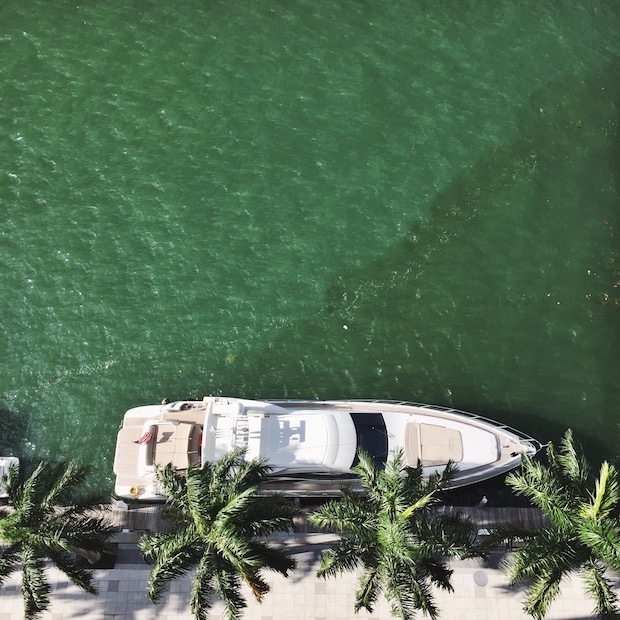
{"points": [[311, 452]]}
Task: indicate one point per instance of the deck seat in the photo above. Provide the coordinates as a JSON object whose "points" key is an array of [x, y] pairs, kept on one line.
{"points": [[171, 445], [432, 445], [127, 451]]}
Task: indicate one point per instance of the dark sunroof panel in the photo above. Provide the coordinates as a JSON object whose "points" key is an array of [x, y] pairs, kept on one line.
{"points": [[371, 436]]}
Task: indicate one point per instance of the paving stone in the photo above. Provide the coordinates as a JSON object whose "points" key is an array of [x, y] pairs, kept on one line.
{"points": [[302, 597]]}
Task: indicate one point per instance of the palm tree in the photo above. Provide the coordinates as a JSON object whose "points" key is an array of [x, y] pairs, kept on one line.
{"points": [[394, 535], [584, 534], [46, 519], [221, 518]]}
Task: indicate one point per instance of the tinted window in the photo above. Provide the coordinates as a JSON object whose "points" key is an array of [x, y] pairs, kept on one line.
{"points": [[371, 436]]}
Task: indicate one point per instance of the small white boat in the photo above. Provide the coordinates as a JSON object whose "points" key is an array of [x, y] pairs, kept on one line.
{"points": [[311, 446], [6, 462]]}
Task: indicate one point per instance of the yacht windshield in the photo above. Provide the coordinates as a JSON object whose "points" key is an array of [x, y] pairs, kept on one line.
{"points": [[371, 437]]}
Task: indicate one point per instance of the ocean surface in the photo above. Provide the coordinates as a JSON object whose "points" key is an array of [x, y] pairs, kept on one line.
{"points": [[391, 199]]}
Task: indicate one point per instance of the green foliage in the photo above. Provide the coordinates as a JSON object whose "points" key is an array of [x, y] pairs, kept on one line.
{"points": [[43, 523], [223, 519], [392, 533], [584, 535]]}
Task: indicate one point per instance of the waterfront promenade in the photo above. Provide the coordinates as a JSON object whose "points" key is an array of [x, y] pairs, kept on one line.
{"points": [[481, 592]]}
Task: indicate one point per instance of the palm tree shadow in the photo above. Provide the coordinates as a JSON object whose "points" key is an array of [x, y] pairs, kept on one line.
{"points": [[308, 559], [511, 590]]}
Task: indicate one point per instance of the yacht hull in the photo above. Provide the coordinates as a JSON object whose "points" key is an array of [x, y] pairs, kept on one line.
{"points": [[311, 446]]}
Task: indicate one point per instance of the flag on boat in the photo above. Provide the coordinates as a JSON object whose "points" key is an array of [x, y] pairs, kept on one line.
{"points": [[146, 438]]}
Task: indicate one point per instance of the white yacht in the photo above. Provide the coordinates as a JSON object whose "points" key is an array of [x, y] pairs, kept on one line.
{"points": [[6, 462], [311, 446]]}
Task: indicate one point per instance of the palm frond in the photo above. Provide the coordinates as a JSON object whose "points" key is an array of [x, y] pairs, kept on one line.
{"points": [[450, 535], [604, 500], [542, 593], [12, 528], [551, 552], [552, 457], [396, 464], [228, 586], [270, 513], [60, 533], [394, 537], [150, 544], [368, 590], [10, 558], [62, 480], [174, 555], [249, 473], [257, 584], [423, 502], [197, 499], [393, 483], [28, 493], [203, 588], [349, 514], [82, 527], [35, 587], [173, 487], [236, 505], [234, 547], [572, 461], [392, 473], [602, 538], [368, 476], [601, 590], [407, 593], [414, 484], [422, 598], [225, 470], [540, 486], [342, 557], [440, 481]]}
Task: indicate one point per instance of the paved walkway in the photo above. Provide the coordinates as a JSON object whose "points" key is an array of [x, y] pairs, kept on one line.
{"points": [[481, 593]]}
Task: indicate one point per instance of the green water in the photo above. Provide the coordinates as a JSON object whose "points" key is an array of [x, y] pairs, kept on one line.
{"points": [[407, 199]]}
